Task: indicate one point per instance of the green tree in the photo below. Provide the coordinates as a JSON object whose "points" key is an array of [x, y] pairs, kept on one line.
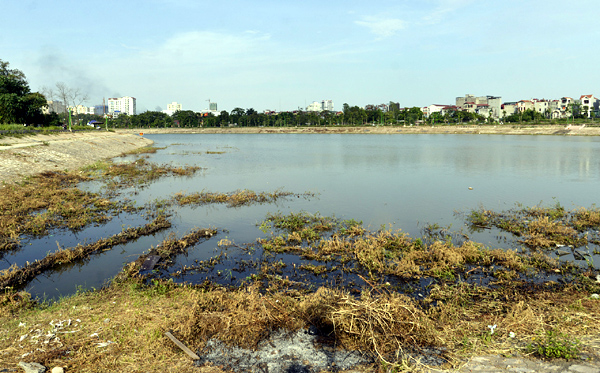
{"points": [[187, 118], [17, 103], [236, 115], [224, 118]]}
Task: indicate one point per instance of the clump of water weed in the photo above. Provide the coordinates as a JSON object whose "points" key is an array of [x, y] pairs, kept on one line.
{"points": [[169, 248], [134, 173], [235, 199], [540, 227], [50, 200]]}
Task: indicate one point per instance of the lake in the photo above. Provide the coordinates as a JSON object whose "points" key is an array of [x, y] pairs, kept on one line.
{"points": [[400, 181]]}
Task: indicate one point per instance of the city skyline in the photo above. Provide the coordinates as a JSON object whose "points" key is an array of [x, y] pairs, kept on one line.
{"points": [[274, 56]]}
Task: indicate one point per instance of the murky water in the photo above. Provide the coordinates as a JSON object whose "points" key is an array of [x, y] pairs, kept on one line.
{"points": [[403, 180]]}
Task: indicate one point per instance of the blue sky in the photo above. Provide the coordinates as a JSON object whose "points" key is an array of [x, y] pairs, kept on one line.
{"points": [[283, 55]]}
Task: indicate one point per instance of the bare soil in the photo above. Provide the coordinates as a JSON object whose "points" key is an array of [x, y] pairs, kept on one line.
{"points": [[26, 156]]}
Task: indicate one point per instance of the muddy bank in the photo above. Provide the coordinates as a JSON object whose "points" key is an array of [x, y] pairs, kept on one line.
{"points": [[31, 155], [484, 130]]}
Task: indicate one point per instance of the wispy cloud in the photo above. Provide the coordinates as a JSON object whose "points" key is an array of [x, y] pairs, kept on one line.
{"points": [[382, 27], [443, 8]]}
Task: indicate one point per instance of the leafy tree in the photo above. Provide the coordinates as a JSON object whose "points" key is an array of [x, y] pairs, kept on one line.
{"points": [[236, 114], [187, 118], [17, 103], [224, 118], [152, 119], [436, 118]]}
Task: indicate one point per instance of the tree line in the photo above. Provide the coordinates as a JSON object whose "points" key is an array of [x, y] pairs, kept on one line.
{"points": [[18, 105]]}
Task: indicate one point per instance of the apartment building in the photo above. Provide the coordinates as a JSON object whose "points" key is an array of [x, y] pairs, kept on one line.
{"points": [[172, 108], [121, 105], [320, 106]]}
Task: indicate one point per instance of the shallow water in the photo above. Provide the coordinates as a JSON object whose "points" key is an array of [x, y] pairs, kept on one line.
{"points": [[405, 181]]}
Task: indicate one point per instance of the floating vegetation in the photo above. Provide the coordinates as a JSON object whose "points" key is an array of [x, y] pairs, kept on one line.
{"points": [[542, 227], [388, 256], [168, 249], [135, 173], [50, 200], [235, 199], [144, 150]]}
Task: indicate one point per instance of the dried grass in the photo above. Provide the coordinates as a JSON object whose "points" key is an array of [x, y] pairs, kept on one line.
{"points": [[49, 200], [235, 199]]}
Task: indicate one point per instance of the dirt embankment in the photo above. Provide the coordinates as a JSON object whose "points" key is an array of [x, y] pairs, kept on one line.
{"points": [[30, 155], [489, 130]]}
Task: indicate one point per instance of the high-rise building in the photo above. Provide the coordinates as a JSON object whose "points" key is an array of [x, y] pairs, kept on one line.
{"points": [[121, 105], [100, 109], [327, 105], [320, 106], [172, 108], [315, 106], [212, 106]]}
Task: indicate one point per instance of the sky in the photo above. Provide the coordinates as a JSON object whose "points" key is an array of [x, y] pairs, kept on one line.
{"points": [[283, 55]]}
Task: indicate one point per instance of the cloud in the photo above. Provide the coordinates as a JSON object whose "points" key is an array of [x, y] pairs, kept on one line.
{"points": [[382, 27], [206, 46], [443, 8]]}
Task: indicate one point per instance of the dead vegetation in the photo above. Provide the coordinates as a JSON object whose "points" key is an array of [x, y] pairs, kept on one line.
{"points": [[234, 199], [167, 250], [138, 172], [394, 328], [541, 227], [50, 200]]}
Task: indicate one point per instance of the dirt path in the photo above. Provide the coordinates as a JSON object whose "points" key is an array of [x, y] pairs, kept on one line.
{"points": [[30, 155]]}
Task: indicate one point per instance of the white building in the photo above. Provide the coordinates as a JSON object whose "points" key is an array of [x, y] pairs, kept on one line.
{"points": [[542, 106], [315, 106], [320, 106], [172, 108], [80, 109], [590, 105], [483, 105], [121, 105], [431, 109]]}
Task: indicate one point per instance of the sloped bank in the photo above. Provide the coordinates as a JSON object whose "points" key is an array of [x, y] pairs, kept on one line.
{"points": [[31, 155]]}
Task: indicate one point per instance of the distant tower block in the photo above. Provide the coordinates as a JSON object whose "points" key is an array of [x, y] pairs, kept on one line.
{"points": [[212, 106]]}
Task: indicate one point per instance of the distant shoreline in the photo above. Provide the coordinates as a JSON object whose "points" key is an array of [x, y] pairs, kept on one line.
{"points": [[483, 130]]}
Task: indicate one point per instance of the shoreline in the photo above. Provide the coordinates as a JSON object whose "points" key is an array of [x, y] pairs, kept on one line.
{"points": [[21, 157], [556, 130]]}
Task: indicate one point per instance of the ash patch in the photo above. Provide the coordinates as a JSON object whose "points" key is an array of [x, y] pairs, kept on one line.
{"points": [[283, 352]]}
